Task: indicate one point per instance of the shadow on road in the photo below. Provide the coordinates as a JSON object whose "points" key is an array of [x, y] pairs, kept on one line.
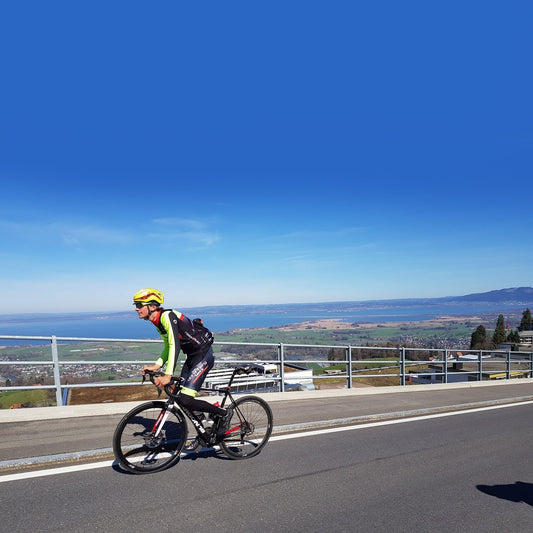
{"points": [[201, 453], [204, 453], [518, 492]]}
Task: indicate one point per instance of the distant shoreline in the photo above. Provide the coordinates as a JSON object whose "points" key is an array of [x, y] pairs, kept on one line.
{"points": [[332, 324]]}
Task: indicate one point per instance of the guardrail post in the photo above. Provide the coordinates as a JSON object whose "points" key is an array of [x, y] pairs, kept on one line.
{"points": [[57, 376], [508, 365], [480, 366], [349, 358], [445, 365], [281, 368], [402, 366], [531, 364]]}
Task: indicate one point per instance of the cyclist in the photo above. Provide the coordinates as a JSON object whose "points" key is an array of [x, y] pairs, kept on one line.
{"points": [[179, 332]]}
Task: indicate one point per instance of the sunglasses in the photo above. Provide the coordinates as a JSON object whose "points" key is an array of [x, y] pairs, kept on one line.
{"points": [[138, 305]]}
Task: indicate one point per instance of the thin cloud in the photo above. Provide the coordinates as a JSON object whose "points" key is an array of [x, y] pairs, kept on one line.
{"points": [[194, 232], [69, 234], [91, 234], [181, 222], [319, 234]]}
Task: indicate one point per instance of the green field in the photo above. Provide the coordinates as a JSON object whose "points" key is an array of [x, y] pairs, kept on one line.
{"points": [[28, 398], [415, 333], [86, 351]]}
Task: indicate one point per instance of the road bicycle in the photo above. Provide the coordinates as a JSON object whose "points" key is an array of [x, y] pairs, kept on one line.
{"points": [[152, 436]]}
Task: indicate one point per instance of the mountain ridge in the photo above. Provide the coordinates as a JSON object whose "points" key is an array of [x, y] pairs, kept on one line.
{"points": [[516, 296]]}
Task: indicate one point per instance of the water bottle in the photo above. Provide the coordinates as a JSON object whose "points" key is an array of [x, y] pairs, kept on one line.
{"points": [[208, 422]]}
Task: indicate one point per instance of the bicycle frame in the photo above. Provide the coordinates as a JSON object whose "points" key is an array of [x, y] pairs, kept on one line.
{"points": [[173, 389]]}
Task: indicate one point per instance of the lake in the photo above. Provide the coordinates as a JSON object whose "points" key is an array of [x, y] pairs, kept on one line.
{"points": [[126, 325]]}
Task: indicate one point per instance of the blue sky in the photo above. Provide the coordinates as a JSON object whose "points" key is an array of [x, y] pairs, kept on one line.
{"points": [[249, 153]]}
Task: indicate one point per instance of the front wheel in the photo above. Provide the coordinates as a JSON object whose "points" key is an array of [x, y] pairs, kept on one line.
{"points": [[149, 438], [250, 428]]}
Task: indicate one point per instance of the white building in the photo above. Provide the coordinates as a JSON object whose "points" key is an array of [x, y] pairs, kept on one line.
{"points": [[526, 341]]}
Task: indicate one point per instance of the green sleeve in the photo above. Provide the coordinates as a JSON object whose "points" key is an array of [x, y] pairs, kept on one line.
{"points": [[172, 345], [164, 354]]}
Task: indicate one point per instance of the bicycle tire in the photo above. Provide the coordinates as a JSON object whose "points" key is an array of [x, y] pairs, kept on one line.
{"points": [[135, 447], [250, 428]]}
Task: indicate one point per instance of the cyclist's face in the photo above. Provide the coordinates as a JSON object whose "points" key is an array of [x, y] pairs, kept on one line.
{"points": [[143, 312]]}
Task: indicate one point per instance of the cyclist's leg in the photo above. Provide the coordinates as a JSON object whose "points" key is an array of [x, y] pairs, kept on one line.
{"points": [[194, 374]]}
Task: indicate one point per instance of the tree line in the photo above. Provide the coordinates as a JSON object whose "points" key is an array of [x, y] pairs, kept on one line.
{"points": [[481, 340]]}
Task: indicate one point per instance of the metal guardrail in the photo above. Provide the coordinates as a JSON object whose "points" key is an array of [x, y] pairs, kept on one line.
{"points": [[446, 364]]}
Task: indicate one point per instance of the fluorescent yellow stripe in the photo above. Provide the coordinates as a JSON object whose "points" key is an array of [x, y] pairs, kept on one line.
{"points": [[189, 392]]}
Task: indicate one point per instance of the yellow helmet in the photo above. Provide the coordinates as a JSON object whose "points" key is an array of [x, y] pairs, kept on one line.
{"points": [[148, 296]]}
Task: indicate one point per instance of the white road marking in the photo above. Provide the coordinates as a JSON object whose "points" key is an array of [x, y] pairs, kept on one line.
{"points": [[55, 471], [110, 463]]}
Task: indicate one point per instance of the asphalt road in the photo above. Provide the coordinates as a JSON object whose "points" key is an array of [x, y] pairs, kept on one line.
{"points": [[467, 472], [57, 435]]}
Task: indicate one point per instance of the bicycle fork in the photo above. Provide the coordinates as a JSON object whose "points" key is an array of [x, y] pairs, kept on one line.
{"points": [[160, 422]]}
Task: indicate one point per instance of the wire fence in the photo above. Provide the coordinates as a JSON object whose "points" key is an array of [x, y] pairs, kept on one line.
{"points": [[63, 363]]}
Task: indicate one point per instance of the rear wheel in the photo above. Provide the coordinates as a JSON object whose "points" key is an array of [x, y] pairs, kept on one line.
{"points": [[149, 438], [250, 428]]}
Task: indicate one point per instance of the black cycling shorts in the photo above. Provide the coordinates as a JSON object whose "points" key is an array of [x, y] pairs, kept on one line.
{"points": [[195, 370]]}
